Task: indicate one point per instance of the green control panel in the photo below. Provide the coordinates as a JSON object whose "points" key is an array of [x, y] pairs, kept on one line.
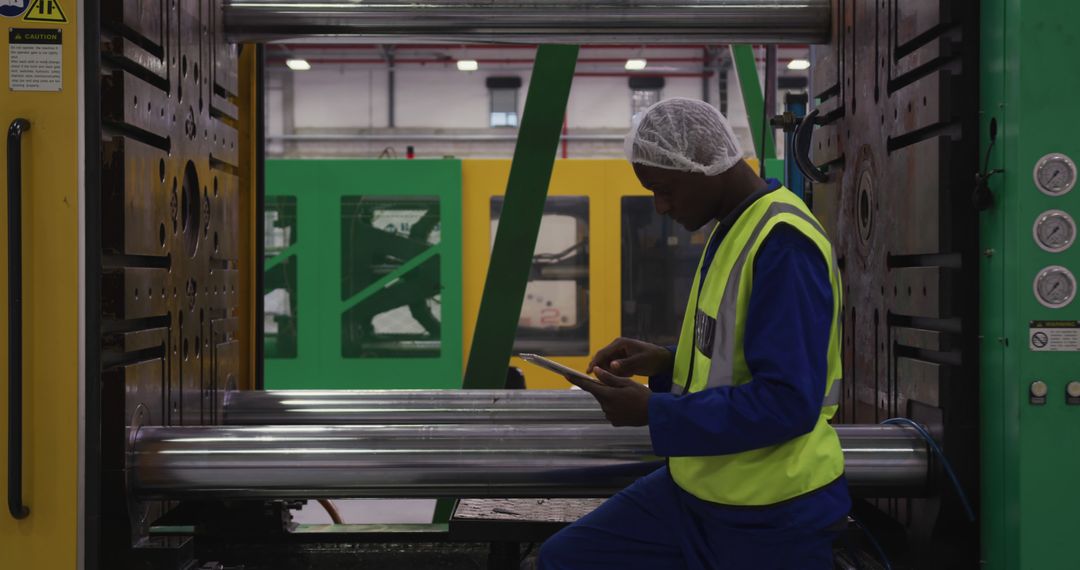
{"points": [[1030, 384]]}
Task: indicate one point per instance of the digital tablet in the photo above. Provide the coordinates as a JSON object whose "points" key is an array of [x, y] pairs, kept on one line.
{"points": [[556, 367]]}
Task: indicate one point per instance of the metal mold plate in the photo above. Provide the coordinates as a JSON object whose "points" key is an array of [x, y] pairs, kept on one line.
{"points": [[170, 217], [898, 134]]}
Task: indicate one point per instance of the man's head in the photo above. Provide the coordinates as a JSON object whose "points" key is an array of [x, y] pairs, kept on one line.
{"points": [[684, 151]]}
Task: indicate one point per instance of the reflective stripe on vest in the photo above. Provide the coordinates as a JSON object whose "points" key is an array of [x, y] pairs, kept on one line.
{"points": [[711, 355], [715, 336]]}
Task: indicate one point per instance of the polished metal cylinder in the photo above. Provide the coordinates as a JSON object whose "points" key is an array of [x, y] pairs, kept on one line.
{"points": [[452, 461], [420, 407], [534, 21]]}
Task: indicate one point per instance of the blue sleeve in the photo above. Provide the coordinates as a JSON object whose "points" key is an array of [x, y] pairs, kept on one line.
{"points": [[664, 382], [786, 347]]}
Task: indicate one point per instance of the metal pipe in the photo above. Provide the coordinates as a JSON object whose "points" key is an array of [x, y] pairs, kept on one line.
{"points": [[391, 94], [427, 137], [770, 106], [452, 461], [564, 407], [408, 395], [534, 21]]}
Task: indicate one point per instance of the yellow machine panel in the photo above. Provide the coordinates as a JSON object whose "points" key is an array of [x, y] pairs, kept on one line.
{"points": [[51, 271], [603, 183]]}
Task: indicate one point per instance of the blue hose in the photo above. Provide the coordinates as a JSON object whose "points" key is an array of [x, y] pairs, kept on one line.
{"points": [[873, 542], [941, 455]]}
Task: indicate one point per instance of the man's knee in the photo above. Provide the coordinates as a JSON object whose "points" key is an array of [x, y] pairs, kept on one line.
{"points": [[555, 552]]}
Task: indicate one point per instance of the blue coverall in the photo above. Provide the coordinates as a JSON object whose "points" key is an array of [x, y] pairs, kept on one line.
{"points": [[653, 523]]}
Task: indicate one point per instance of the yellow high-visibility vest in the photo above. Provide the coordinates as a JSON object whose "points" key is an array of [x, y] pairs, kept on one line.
{"points": [[710, 354]]}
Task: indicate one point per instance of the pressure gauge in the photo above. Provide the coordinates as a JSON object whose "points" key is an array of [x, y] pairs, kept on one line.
{"points": [[1055, 174], [1054, 231], [1055, 287]]}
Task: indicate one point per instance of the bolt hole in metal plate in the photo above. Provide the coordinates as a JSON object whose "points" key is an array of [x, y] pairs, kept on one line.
{"points": [[866, 206], [1055, 287], [1055, 174], [190, 210], [1054, 231]]}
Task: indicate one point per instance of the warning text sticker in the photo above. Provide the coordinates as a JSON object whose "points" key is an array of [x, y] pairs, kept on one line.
{"points": [[1054, 336], [35, 60]]}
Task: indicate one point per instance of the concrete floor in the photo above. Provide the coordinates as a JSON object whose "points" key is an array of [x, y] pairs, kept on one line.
{"points": [[370, 511]]}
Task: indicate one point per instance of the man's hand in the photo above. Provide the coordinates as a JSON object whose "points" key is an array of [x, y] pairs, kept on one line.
{"points": [[625, 402], [629, 357]]}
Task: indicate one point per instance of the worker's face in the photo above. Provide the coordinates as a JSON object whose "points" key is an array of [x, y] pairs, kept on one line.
{"points": [[682, 196]]}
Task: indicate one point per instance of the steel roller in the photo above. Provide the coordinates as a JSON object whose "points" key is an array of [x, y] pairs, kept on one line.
{"points": [[424, 407], [534, 21], [524, 460]]}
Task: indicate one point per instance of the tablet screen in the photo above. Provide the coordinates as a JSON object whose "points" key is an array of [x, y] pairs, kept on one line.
{"points": [[555, 367]]}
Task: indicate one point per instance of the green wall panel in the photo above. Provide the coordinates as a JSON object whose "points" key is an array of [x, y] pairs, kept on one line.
{"points": [[363, 274]]}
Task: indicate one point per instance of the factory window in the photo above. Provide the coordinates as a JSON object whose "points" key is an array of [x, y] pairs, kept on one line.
{"points": [[390, 278], [554, 318], [652, 245], [504, 100], [644, 92], [280, 279]]}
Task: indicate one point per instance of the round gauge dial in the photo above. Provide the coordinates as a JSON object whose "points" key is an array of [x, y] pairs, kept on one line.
{"points": [[1054, 231], [1055, 174], [1055, 287]]}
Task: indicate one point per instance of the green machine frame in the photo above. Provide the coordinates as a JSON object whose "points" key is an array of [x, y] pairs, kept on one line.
{"points": [[1031, 443], [348, 241]]}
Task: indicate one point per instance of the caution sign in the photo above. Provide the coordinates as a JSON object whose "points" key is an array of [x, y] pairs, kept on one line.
{"points": [[45, 11], [13, 8], [35, 60], [1054, 336]]}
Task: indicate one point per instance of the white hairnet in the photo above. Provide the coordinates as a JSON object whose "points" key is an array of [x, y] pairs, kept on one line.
{"points": [[685, 135]]}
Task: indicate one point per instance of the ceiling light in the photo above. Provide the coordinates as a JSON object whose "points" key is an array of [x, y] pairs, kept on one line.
{"points": [[298, 64], [798, 64], [467, 65], [636, 64]]}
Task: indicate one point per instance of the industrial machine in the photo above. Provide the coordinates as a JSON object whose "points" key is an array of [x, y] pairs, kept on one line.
{"points": [[599, 232], [938, 163]]}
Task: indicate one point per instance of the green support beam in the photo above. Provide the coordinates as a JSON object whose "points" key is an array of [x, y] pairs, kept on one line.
{"points": [[515, 240], [753, 97]]}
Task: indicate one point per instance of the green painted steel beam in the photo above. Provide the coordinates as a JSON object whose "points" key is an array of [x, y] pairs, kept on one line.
{"points": [[280, 258], [515, 240], [389, 278], [444, 509], [753, 97]]}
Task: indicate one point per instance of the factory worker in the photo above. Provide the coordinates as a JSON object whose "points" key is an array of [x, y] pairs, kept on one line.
{"points": [[740, 408]]}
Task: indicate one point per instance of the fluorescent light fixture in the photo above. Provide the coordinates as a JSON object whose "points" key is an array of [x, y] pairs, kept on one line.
{"points": [[636, 64], [798, 64], [298, 64], [467, 65]]}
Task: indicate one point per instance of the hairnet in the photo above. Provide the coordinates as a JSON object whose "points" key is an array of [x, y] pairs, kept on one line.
{"points": [[685, 135]]}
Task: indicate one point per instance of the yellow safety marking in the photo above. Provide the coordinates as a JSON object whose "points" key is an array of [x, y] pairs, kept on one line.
{"points": [[46, 11]]}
